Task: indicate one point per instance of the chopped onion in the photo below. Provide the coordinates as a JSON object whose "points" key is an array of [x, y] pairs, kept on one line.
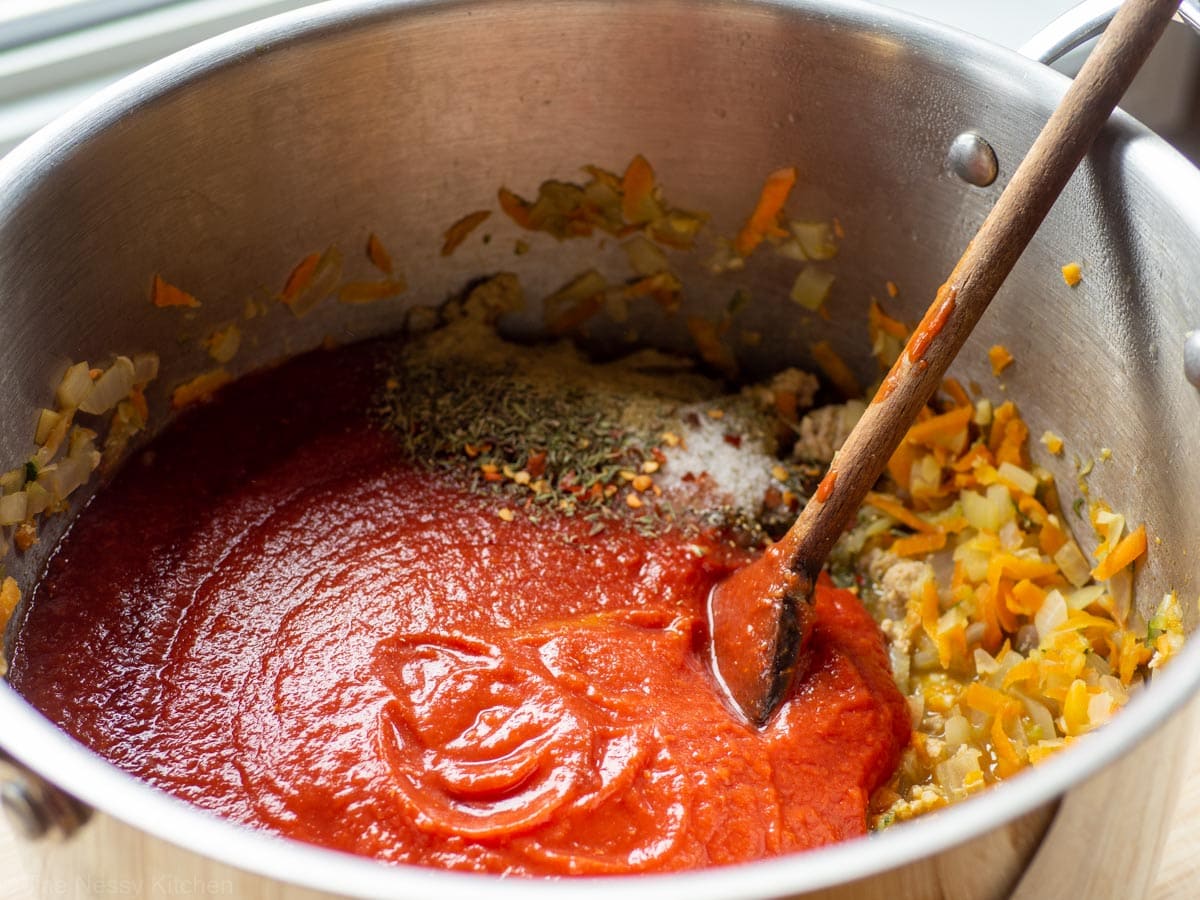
{"points": [[815, 239], [1023, 481], [1070, 559], [47, 419], [985, 663], [1120, 587], [58, 433], [988, 513], [645, 257], [110, 388], [811, 287], [75, 384], [1052, 614], [958, 731], [1100, 708], [145, 368], [12, 480], [1085, 596], [83, 440], [65, 476], [324, 281], [1042, 719], [14, 508], [39, 499]]}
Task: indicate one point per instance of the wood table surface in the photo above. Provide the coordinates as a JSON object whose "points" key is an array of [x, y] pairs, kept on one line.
{"points": [[1178, 875]]}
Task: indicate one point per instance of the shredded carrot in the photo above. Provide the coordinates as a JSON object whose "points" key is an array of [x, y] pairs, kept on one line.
{"points": [[199, 388], [947, 430], [370, 291], [576, 314], [1129, 548], [1026, 597], [955, 391], [892, 290], [166, 294], [137, 396], [300, 278], [878, 320], [1011, 448], [919, 544], [764, 221], [637, 192], [1051, 538], [707, 337], [835, 369], [378, 256], [899, 512], [1075, 707], [515, 208], [900, 464], [985, 699], [1000, 358], [10, 596], [460, 230]]}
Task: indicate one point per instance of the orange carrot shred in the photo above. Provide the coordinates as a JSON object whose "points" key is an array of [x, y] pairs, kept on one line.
{"points": [[199, 388], [1129, 548], [460, 230], [379, 256], [370, 291], [835, 369], [515, 208], [919, 544], [764, 221], [899, 512], [637, 188], [300, 277], [166, 294]]}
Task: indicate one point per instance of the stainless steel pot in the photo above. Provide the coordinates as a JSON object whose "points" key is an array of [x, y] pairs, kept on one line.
{"points": [[225, 164]]}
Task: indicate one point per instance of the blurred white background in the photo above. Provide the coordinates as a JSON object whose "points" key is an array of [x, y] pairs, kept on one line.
{"points": [[53, 53]]}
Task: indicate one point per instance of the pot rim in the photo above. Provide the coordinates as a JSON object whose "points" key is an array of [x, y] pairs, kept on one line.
{"points": [[36, 743]]}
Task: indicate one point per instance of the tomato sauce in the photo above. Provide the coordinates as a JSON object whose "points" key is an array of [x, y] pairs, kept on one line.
{"points": [[276, 616]]}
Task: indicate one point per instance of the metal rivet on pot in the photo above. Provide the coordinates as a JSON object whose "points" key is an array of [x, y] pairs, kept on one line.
{"points": [[28, 817], [1191, 357], [972, 159]]}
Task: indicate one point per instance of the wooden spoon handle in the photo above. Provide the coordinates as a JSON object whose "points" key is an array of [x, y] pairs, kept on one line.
{"points": [[976, 278]]}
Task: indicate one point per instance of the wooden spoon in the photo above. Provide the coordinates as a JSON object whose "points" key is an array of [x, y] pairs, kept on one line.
{"points": [[760, 616]]}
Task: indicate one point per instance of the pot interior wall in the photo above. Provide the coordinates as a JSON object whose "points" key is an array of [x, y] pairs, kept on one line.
{"points": [[402, 123]]}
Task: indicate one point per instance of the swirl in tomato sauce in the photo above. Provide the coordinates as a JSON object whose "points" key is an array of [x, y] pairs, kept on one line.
{"points": [[281, 619]]}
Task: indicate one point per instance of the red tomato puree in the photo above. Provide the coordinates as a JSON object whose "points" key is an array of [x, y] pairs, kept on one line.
{"points": [[274, 615]]}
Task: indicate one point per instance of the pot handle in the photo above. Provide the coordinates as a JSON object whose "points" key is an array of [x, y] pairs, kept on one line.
{"points": [[1084, 22], [34, 808]]}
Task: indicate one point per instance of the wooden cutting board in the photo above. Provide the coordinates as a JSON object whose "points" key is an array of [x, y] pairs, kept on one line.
{"points": [[1178, 876]]}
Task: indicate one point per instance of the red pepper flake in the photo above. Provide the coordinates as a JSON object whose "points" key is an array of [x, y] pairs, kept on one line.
{"points": [[733, 440], [460, 230], [536, 465]]}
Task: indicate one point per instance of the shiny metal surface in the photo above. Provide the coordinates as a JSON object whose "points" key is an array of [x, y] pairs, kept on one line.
{"points": [[36, 809], [972, 159], [1081, 23], [224, 165], [1191, 358]]}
